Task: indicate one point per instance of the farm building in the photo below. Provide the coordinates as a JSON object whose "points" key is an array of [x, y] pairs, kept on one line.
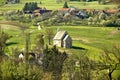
{"points": [[62, 39]]}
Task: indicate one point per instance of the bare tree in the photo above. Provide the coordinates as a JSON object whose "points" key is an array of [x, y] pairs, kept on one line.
{"points": [[39, 43], [49, 34]]}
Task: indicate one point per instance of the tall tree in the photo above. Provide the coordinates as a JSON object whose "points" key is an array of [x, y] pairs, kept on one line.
{"points": [[49, 34], [78, 67], [65, 5], [3, 38], [53, 62], [39, 43]]}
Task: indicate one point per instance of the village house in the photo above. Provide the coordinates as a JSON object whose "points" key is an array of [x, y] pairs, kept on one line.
{"points": [[62, 39], [82, 14], [41, 11]]}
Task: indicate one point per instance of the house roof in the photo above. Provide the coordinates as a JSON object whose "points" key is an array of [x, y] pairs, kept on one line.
{"points": [[36, 11], [65, 37], [112, 10], [64, 9], [60, 35], [37, 14]]}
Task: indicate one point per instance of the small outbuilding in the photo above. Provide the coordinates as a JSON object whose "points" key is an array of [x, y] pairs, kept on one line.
{"points": [[62, 39]]}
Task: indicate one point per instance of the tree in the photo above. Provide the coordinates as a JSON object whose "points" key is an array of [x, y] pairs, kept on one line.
{"points": [[65, 5], [49, 34], [78, 67], [27, 41], [67, 18], [53, 62], [39, 43], [113, 63], [3, 39], [30, 7]]}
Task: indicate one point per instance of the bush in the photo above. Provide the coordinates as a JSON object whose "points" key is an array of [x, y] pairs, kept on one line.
{"points": [[117, 23], [109, 23]]}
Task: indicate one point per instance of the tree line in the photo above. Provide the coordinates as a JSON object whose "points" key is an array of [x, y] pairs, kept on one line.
{"points": [[30, 7]]}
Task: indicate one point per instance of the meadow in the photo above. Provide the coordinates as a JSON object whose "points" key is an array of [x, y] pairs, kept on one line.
{"points": [[93, 39]]}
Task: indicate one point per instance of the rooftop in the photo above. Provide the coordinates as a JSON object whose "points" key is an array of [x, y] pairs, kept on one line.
{"points": [[60, 34]]}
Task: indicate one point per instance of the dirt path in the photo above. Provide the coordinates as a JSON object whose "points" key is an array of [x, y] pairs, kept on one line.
{"points": [[9, 27]]}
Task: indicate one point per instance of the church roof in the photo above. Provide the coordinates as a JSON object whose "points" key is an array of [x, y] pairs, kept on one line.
{"points": [[60, 35]]}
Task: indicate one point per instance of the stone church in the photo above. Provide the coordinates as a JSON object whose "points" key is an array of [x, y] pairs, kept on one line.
{"points": [[62, 39]]}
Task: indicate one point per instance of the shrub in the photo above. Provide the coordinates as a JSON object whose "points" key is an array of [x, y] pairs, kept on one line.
{"points": [[108, 23]]}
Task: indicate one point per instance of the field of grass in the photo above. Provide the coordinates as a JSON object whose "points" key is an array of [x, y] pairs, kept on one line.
{"points": [[51, 4], [93, 39]]}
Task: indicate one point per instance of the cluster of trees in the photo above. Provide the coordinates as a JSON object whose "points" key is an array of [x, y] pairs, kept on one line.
{"points": [[30, 7], [102, 19], [18, 16], [113, 20]]}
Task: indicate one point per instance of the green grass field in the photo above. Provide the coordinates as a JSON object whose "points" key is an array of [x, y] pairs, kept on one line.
{"points": [[93, 39], [50, 4]]}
